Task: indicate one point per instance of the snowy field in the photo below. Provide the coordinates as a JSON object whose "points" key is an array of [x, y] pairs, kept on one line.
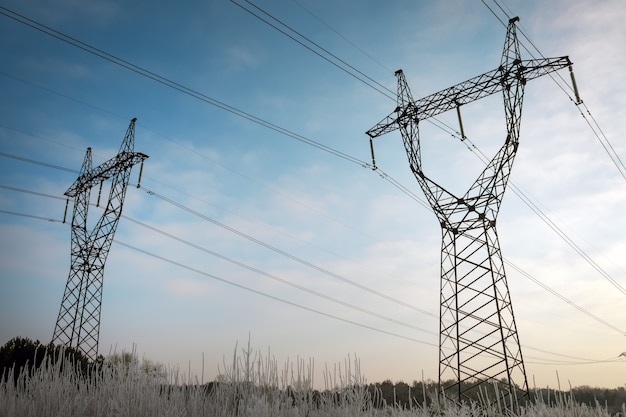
{"points": [[251, 386]]}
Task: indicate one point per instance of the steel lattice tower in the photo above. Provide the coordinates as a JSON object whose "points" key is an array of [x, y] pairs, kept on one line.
{"points": [[78, 323], [478, 339]]}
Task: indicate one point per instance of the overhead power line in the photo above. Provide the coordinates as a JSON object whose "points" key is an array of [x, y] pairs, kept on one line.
{"points": [[31, 216], [32, 161], [258, 242], [184, 266], [318, 50], [328, 56], [174, 85], [189, 210], [240, 286], [364, 52], [284, 253], [274, 277], [563, 298], [282, 300]]}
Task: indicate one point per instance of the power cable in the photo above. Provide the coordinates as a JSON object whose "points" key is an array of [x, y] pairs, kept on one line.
{"points": [[578, 358], [524, 273], [31, 216], [274, 277], [364, 52], [243, 287], [569, 363], [84, 103], [435, 121], [282, 300], [32, 161], [563, 298], [174, 85], [585, 360], [284, 253], [292, 30]]}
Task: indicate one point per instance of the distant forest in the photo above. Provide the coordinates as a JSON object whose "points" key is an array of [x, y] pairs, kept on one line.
{"points": [[24, 354], [399, 393]]}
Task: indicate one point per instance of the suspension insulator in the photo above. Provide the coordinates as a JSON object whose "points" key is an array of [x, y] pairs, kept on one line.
{"points": [[571, 74], [67, 202], [374, 167], [140, 172], [458, 113]]}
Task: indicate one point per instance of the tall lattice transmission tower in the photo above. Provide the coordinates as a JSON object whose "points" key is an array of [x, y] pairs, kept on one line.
{"points": [[478, 338], [78, 323]]}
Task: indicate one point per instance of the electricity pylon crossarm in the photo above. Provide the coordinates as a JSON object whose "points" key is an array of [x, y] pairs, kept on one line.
{"points": [[478, 339], [78, 322]]}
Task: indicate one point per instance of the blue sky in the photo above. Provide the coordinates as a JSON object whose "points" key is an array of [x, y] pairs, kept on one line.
{"points": [[329, 212]]}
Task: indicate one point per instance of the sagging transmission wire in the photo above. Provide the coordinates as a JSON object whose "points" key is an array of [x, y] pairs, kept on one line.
{"points": [[172, 84], [238, 263], [240, 234], [274, 277], [383, 66], [195, 94], [582, 361], [282, 252], [184, 266], [306, 263], [378, 87], [333, 59], [273, 297]]}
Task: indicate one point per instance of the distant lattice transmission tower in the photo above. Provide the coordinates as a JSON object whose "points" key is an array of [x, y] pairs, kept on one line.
{"points": [[478, 339], [78, 323]]}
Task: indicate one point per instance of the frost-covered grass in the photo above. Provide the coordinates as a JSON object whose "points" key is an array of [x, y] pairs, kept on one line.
{"points": [[252, 385]]}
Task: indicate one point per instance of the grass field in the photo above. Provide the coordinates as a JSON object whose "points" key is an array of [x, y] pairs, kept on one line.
{"points": [[251, 386]]}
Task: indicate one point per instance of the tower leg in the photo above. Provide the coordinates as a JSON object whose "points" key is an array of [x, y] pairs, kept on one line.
{"points": [[479, 342]]}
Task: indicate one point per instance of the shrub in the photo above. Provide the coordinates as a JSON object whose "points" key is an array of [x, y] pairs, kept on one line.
{"points": [[21, 354]]}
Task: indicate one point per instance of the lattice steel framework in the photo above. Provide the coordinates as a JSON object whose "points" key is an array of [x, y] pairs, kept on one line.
{"points": [[78, 322], [478, 340]]}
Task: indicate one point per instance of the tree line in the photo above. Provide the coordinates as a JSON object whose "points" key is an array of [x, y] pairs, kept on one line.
{"points": [[21, 355]]}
